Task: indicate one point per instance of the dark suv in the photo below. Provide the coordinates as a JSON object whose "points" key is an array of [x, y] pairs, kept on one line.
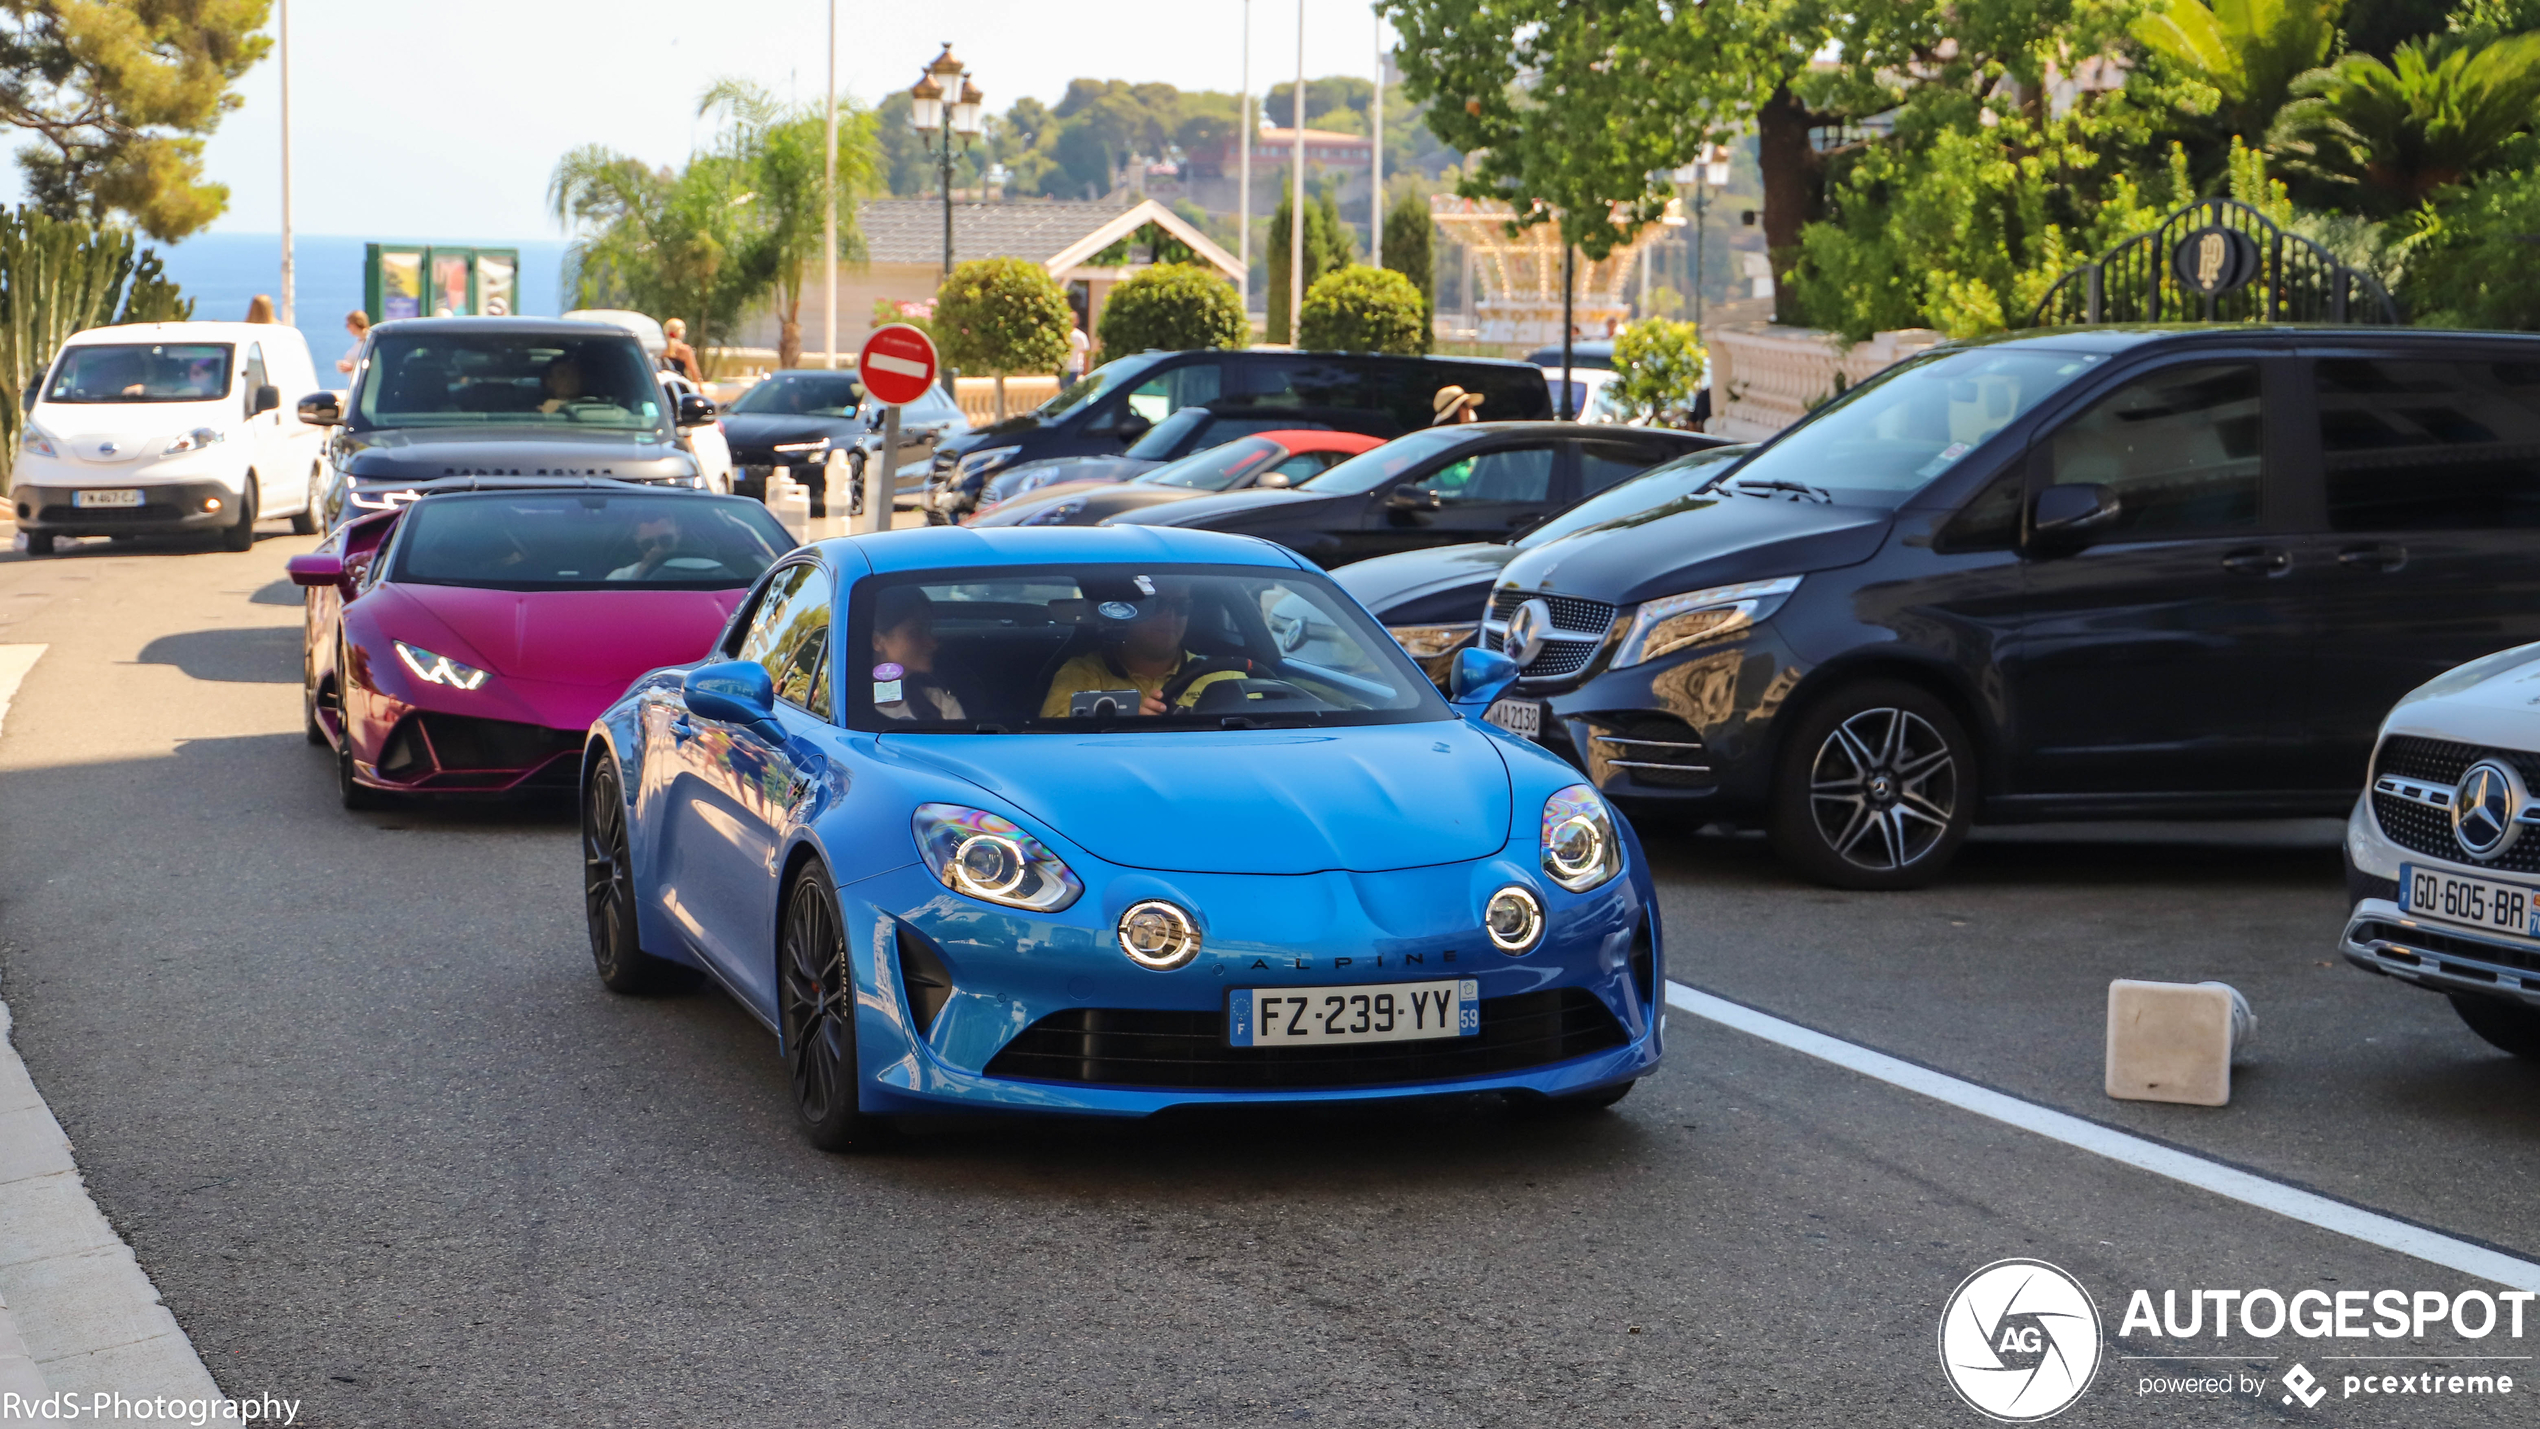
{"points": [[2094, 573], [1114, 405]]}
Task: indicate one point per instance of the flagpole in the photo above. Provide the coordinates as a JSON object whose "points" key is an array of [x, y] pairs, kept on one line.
{"points": [[829, 216]]}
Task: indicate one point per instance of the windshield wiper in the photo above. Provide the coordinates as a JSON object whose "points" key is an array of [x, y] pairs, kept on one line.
{"points": [[1764, 486]]}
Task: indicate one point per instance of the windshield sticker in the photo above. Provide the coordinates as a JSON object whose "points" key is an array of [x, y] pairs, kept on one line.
{"points": [[886, 691], [1940, 463], [1121, 609], [1145, 586], [887, 671]]}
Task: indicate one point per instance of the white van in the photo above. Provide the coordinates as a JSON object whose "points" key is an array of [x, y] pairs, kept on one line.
{"points": [[159, 427]]}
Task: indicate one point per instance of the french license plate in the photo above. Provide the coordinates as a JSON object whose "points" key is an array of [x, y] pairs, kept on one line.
{"points": [[1379, 1012], [2475, 902], [90, 500], [1517, 717]]}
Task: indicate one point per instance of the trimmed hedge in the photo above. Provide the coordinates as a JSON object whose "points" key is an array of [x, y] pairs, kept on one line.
{"points": [[1363, 309], [1173, 306]]}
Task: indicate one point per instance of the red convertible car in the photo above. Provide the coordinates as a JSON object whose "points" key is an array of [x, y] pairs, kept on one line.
{"points": [[464, 643]]}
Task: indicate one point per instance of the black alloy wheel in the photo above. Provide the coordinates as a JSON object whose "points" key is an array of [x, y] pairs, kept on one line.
{"points": [[608, 890], [304, 522], [1875, 789], [816, 1006], [2507, 1026], [240, 535]]}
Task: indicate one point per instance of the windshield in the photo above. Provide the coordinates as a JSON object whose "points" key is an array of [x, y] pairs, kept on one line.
{"points": [[1376, 466], [1105, 648], [1888, 437], [1081, 392], [1659, 491], [1217, 468], [430, 379], [1165, 438], [141, 372], [587, 540], [801, 394]]}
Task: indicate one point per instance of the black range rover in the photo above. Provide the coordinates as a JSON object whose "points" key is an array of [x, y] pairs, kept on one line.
{"points": [[2095, 573]]}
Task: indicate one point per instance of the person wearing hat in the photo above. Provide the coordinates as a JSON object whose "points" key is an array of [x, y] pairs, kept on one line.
{"points": [[1455, 405]]}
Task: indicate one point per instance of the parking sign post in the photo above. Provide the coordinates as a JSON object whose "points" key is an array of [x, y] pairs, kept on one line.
{"points": [[896, 367]]}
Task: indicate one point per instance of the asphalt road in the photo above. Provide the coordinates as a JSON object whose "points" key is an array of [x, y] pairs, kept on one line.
{"points": [[348, 1086]]}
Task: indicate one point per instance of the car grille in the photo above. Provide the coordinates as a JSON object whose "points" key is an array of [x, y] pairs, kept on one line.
{"points": [[444, 751], [109, 515], [1579, 627], [2420, 829], [2426, 940], [1128, 1047], [1649, 749]]}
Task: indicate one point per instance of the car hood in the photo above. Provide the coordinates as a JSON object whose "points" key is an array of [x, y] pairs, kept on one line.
{"points": [[136, 430], [428, 454], [1362, 800], [1413, 578], [2492, 701], [765, 429], [567, 653], [1737, 538], [1229, 510]]}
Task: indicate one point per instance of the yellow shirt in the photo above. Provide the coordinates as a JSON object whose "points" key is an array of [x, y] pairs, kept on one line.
{"points": [[1090, 672]]}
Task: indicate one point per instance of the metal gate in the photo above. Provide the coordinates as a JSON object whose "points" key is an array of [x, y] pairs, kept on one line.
{"points": [[2215, 261]]}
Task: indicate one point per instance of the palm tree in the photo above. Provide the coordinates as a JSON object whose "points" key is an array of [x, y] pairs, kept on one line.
{"points": [[652, 240], [2384, 136], [779, 155], [2250, 51]]}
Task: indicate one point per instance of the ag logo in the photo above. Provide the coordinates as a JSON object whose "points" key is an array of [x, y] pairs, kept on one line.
{"points": [[2019, 1341]]}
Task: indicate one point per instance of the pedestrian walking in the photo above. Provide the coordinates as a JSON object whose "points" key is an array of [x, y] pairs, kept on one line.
{"points": [[676, 351], [260, 309], [1455, 406], [357, 323], [1077, 346]]}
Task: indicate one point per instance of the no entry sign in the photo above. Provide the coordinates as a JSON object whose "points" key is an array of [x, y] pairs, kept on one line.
{"points": [[897, 364]]}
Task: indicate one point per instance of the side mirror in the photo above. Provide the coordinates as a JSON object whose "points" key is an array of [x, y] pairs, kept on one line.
{"points": [[1131, 425], [732, 691], [694, 411], [268, 399], [1273, 481], [1408, 497], [26, 399], [2071, 510], [320, 409], [1478, 677], [316, 568]]}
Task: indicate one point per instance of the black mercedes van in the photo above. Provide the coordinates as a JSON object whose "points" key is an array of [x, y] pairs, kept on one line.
{"points": [[2090, 573]]}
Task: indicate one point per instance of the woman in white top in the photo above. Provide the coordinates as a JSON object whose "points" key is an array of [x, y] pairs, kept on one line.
{"points": [[904, 682]]}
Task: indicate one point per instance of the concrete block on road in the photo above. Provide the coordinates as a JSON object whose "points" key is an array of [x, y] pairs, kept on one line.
{"points": [[2173, 1041]]}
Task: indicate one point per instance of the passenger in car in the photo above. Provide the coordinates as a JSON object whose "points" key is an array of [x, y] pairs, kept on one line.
{"points": [[904, 650]]}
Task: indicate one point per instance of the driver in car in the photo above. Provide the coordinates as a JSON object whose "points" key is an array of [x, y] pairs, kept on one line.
{"points": [[563, 382], [656, 544], [1144, 652]]}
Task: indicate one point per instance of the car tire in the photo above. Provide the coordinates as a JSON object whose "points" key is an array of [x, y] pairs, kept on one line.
{"points": [[39, 543], [1874, 788], [310, 729], [304, 522], [608, 891], [816, 1008], [356, 796], [2506, 1026], [240, 535]]}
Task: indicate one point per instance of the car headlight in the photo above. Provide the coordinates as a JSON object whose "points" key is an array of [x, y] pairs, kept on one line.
{"points": [[802, 448], [1514, 920], [1158, 936], [36, 442], [1672, 622], [381, 500], [438, 669], [1056, 515], [1428, 642], [195, 441], [976, 853], [1580, 850], [979, 463]]}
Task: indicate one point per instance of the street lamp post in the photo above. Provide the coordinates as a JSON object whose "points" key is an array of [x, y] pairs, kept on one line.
{"points": [[943, 107]]}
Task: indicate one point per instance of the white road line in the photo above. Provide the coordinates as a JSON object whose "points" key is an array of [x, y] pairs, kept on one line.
{"points": [[2225, 1181]]}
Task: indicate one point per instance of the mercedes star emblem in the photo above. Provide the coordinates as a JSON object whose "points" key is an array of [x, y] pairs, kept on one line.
{"points": [[1526, 631], [2486, 807]]}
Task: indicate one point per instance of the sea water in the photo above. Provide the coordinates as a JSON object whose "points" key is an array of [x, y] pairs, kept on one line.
{"points": [[223, 272]]}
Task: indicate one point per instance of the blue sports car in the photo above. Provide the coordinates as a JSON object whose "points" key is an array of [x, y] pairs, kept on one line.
{"points": [[1106, 821]]}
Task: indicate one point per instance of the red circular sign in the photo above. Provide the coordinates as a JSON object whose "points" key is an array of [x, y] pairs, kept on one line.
{"points": [[897, 364]]}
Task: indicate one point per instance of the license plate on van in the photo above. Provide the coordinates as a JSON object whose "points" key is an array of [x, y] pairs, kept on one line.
{"points": [[91, 500]]}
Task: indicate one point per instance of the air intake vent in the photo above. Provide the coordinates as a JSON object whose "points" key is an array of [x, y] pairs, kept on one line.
{"points": [[923, 974]]}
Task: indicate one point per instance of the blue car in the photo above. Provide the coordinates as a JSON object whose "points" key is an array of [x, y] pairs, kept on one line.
{"points": [[1104, 821]]}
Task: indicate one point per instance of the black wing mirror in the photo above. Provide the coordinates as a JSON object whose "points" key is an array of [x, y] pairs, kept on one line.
{"points": [[268, 398], [694, 411], [2072, 510], [1408, 498], [320, 409], [1131, 425]]}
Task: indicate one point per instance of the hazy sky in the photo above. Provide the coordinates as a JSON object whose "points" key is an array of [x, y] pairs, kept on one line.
{"points": [[442, 119]]}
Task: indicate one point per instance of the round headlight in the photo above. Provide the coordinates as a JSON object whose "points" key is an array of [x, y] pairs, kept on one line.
{"points": [[1158, 935], [1573, 848], [1514, 920], [988, 864]]}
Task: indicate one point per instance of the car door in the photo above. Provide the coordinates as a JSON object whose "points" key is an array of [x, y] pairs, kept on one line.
{"points": [[2157, 655], [262, 431], [1487, 494], [2427, 552], [737, 787]]}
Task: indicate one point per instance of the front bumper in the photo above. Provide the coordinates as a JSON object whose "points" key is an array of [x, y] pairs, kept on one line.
{"points": [[197, 505], [987, 1008], [2439, 957], [1692, 730]]}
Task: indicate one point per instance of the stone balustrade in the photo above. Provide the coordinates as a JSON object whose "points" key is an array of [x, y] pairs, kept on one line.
{"points": [[1765, 376]]}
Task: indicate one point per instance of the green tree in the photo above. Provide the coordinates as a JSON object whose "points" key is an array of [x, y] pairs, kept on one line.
{"points": [[780, 154], [1002, 316], [2248, 52], [1657, 369], [2470, 264], [1409, 251], [2381, 138], [657, 241], [1173, 306], [1327, 246], [1362, 309], [119, 97]]}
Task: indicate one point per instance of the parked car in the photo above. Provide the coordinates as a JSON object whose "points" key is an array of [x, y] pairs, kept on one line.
{"points": [[1266, 459], [646, 329], [1190, 430], [814, 423], [1594, 353], [1110, 408], [1200, 906], [165, 427], [2446, 893], [1438, 487], [2092, 573], [441, 402], [463, 642], [1432, 599], [1591, 395], [705, 441]]}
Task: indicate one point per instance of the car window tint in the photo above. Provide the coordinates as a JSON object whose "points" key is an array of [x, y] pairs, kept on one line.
{"points": [[2429, 446], [1510, 474], [1991, 522], [2180, 448], [1171, 390], [1298, 468], [758, 642], [1604, 464], [796, 635]]}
